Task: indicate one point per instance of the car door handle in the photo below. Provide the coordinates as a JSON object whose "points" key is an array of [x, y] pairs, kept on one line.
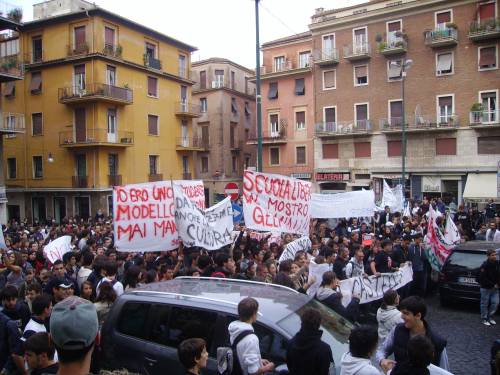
{"points": [[151, 360]]}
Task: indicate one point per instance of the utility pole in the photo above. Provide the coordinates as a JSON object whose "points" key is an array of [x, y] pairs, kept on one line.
{"points": [[257, 84]]}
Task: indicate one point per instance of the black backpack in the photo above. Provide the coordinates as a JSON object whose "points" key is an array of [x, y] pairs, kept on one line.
{"points": [[228, 362]]}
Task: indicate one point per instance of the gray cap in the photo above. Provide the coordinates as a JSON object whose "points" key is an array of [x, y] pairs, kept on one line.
{"points": [[73, 323]]}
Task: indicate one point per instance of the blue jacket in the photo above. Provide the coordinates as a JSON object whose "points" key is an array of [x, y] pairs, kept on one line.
{"points": [[9, 339], [417, 257]]}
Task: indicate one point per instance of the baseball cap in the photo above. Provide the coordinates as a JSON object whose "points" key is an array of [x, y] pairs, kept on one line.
{"points": [[73, 323]]}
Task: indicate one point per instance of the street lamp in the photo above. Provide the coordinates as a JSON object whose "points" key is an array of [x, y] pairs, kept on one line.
{"points": [[405, 65], [257, 87]]}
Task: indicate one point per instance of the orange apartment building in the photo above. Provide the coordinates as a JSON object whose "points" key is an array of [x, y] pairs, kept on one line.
{"points": [[451, 105]]}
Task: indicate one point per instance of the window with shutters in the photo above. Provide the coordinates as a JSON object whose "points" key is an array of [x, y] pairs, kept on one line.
{"points": [[300, 120], [36, 124], [273, 90], [153, 87], [37, 49], [153, 125], [300, 155], [79, 39], [393, 149], [204, 164], [360, 75], [486, 10], [442, 18], [488, 145], [330, 150], [11, 168], [446, 146], [304, 59], [490, 113], [234, 106], [9, 89], [329, 79], [444, 63], [274, 156], [361, 115], [394, 70], [203, 105], [36, 82], [205, 136], [109, 39], [274, 124], [153, 164], [487, 57], [362, 149], [445, 108], [300, 88], [37, 167], [395, 112], [279, 64], [203, 79], [234, 164]]}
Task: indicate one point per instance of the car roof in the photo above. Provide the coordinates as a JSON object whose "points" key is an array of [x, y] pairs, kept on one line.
{"points": [[482, 246], [275, 301]]}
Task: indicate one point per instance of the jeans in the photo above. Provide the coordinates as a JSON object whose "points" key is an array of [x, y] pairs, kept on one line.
{"points": [[489, 302]]}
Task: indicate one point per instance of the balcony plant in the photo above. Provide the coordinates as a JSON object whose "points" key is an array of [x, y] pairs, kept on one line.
{"points": [[382, 46], [15, 15], [402, 35], [118, 50], [451, 25], [477, 107], [399, 44], [476, 110]]}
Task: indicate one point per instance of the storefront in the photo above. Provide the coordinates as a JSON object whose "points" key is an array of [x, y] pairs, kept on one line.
{"points": [[480, 188], [446, 187]]}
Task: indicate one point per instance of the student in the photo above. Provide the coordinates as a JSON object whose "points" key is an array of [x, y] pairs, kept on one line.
{"points": [[193, 355], [362, 344], [388, 315], [39, 353], [329, 295]]}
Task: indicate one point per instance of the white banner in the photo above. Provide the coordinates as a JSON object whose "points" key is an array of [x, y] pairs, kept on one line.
{"points": [[276, 203], [316, 271], [340, 205], [144, 214], [372, 288], [302, 243], [56, 249], [451, 233], [392, 198], [210, 228]]}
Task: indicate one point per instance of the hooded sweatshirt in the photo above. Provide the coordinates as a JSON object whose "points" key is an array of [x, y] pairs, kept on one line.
{"points": [[357, 366], [307, 354], [248, 348], [387, 319], [333, 300]]}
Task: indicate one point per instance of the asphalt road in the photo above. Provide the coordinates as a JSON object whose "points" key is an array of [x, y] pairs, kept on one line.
{"points": [[469, 341]]}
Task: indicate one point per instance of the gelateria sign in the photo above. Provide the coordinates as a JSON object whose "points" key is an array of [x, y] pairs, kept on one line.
{"points": [[326, 176]]}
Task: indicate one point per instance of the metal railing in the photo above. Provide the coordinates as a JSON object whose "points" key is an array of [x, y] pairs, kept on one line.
{"points": [[273, 134], [187, 107], [420, 122], [115, 180], [92, 90], [155, 177], [95, 136], [392, 42], [357, 49], [288, 65], [187, 176], [78, 49], [12, 122], [484, 27], [440, 35], [484, 117], [151, 62], [191, 142], [324, 56], [114, 50], [345, 127], [33, 57], [11, 65], [79, 181]]}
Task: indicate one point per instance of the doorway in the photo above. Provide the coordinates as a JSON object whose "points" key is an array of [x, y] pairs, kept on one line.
{"points": [[82, 207], [39, 210], [59, 209]]}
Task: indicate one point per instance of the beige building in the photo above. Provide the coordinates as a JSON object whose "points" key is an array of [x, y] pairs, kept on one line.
{"points": [[226, 99]]}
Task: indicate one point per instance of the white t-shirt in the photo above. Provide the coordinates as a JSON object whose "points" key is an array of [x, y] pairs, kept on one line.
{"points": [[117, 286]]}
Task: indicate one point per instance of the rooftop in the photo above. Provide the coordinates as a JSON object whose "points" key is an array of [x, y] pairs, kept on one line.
{"points": [[220, 60], [288, 39]]}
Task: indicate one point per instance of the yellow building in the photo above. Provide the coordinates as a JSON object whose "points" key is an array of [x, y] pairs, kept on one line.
{"points": [[107, 102]]}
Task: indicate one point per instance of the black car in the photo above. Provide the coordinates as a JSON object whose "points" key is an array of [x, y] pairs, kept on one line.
{"points": [[146, 325], [457, 279]]}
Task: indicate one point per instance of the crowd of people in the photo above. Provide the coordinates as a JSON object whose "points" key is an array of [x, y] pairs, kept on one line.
{"points": [[94, 274]]}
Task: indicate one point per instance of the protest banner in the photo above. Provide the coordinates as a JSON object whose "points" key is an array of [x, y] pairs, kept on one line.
{"points": [[144, 214], [371, 288], [451, 233], [302, 243], [340, 205], [437, 246], [392, 198], [316, 272], [276, 203], [55, 250], [210, 228]]}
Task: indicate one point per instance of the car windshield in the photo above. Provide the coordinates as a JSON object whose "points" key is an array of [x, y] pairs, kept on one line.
{"points": [[467, 259]]}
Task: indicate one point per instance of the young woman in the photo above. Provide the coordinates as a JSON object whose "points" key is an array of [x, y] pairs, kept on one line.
{"points": [[104, 301], [86, 291]]}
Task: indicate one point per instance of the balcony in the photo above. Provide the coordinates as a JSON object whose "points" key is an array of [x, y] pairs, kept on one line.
{"points": [[441, 37], [269, 136], [112, 50], [186, 109], [12, 123], [115, 180], [419, 124], [187, 176], [95, 92], [79, 182], [95, 137], [155, 177], [393, 45], [484, 30], [11, 68], [486, 119], [78, 50], [355, 52], [290, 66], [10, 16], [326, 57], [34, 57], [151, 62], [190, 144], [346, 128], [236, 145]]}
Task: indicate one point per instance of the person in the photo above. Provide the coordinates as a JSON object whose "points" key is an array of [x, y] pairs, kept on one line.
{"points": [[327, 294], [489, 279], [306, 353], [244, 341], [74, 329], [193, 355], [388, 315], [413, 310], [481, 235], [39, 353], [13, 308], [362, 344], [355, 266], [42, 309], [111, 269], [86, 269], [340, 263], [104, 301], [493, 234], [9, 344], [419, 264]]}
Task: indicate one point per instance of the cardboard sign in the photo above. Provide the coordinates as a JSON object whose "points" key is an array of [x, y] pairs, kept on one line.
{"points": [[210, 228], [302, 243], [56, 249], [144, 214], [340, 205], [276, 203]]}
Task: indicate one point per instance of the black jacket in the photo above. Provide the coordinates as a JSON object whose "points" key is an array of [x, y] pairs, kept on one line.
{"points": [[489, 274], [307, 354]]}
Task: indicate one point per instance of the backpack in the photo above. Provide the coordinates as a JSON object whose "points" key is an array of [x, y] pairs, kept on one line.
{"points": [[228, 362]]}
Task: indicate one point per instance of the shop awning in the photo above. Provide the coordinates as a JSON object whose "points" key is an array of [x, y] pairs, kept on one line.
{"points": [[480, 186]]}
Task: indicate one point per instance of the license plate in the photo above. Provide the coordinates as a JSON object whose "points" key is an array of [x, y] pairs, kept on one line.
{"points": [[467, 280]]}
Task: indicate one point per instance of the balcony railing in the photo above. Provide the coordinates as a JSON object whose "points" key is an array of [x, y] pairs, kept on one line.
{"points": [[288, 65], [484, 29], [484, 117], [79, 181], [236, 145], [12, 123], [441, 37], [393, 45], [326, 56], [94, 137], [155, 177], [275, 135], [34, 57], [343, 128], [78, 49], [190, 143], [113, 50], [11, 68], [419, 123], [185, 108], [151, 62], [95, 91], [115, 180], [187, 176], [357, 51]]}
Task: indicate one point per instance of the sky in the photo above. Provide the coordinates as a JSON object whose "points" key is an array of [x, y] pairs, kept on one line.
{"points": [[218, 28]]}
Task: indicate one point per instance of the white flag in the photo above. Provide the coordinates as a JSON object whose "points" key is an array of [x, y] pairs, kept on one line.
{"points": [[407, 211], [392, 198], [451, 233]]}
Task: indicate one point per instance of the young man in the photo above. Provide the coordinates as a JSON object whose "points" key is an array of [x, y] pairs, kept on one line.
{"points": [[362, 344], [413, 310], [74, 331], [489, 279], [193, 355], [419, 264], [13, 308], [39, 354], [383, 260], [329, 294], [306, 353], [111, 269], [355, 267], [245, 343], [340, 263], [8, 344]]}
